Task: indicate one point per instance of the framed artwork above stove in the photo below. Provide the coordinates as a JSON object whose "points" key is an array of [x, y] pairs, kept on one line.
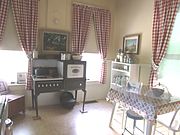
{"points": [[54, 41]]}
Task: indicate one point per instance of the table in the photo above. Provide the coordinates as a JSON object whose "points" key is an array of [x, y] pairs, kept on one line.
{"points": [[145, 106], [45, 85]]}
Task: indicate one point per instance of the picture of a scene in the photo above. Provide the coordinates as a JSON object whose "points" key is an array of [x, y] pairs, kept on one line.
{"points": [[130, 45], [55, 41]]}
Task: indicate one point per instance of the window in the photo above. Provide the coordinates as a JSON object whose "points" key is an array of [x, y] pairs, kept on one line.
{"points": [[92, 56], [12, 58], [93, 66], [11, 63], [169, 70]]}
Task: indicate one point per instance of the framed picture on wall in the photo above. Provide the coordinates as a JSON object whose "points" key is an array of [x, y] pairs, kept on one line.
{"points": [[55, 41], [131, 44]]}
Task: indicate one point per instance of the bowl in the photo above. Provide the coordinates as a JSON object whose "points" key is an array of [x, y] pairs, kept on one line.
{"points": [[76, 57], [157, 92]]}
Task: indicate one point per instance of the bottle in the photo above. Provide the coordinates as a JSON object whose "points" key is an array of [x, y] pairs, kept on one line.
{"points": [[118, 57], [121, 55], [35, 53], [125, 59]]}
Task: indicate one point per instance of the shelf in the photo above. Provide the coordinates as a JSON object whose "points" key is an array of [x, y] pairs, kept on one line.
{"points": [[116, 84], [121, 63], [120, 70], [135, 72]]}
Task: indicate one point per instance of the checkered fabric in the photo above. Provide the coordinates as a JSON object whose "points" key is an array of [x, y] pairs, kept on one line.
{"points": [[3, 16], [163, 20], [145, 106], [80, 27], [26, 18], [102, 21]]}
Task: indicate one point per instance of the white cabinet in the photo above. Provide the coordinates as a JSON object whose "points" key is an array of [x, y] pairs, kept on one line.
{"points": [[122, 72]]}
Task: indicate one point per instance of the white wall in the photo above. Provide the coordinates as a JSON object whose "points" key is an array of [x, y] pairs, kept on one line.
{"points": [[135, 16], [44, 99], [57, 15]]}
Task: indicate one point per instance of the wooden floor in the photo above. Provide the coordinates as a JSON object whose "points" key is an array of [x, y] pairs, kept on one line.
{"points": [[56, 120]]}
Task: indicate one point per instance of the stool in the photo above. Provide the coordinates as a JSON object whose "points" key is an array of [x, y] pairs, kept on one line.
{"points": [[132, 115], [16, 104]]}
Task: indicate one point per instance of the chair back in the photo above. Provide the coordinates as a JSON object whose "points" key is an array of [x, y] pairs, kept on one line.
{"points": [[175, 122], [134, 87]]}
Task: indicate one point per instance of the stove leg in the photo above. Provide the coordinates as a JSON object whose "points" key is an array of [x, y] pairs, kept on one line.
{"points": [[82, 111], [75, 94], [37, 117], [32, 94]]}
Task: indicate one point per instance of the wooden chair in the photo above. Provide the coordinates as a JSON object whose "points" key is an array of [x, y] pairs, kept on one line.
{"points": [[16, 103]]}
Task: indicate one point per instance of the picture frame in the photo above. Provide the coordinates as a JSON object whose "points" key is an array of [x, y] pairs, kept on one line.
{"points": [[54, 41], [131, 44]]}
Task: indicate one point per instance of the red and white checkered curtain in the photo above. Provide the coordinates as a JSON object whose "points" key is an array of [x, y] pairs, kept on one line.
{"points": [[3, 16], [80, 27], [26, 18], [102, 21], [163, 20]]}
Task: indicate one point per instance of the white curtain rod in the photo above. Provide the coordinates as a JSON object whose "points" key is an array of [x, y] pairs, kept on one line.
{"points": [[89, 5]]}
